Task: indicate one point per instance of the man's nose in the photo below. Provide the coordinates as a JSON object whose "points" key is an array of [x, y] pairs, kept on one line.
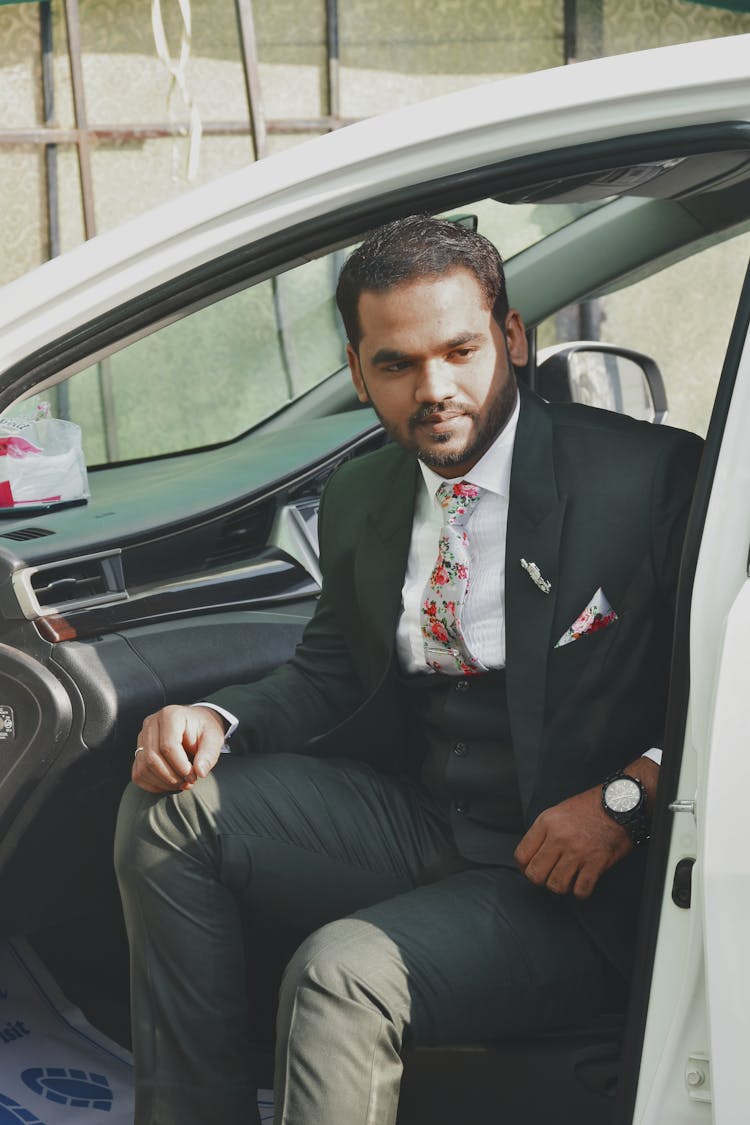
{"points": [[435, 383]]}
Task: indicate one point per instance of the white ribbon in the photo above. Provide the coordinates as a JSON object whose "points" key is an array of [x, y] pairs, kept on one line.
{"points": [[178, 84]]}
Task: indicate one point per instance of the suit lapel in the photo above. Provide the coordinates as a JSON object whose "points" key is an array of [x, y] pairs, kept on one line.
{"points": [[535, 522], [381, 558]]}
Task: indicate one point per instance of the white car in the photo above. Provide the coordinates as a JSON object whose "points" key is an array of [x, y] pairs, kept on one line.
{"points": [[198, 350]]}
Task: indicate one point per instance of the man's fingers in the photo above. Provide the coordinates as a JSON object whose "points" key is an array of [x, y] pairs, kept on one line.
{"points": [[562, 872], [168, 735], [530, 845], [539, 869], [587, 879], [208, 739], [151, 767], [562, 877], [205, 760], [570, 845], [177, 745]]}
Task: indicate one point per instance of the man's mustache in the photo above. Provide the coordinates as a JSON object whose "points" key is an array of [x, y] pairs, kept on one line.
{"points": [[426, 412]]}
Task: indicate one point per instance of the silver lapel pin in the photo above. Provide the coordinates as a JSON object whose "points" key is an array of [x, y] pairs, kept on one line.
{"points": [[535, 575]]}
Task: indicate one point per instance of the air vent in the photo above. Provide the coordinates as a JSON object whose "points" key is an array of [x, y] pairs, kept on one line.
{"points": [[78, 583], [242, 535], [25, 533]]}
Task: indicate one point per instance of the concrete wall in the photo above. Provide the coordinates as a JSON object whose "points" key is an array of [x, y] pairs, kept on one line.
{"points": [[392, 52]]}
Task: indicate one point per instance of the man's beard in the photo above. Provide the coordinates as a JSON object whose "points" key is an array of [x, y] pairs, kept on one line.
{"points": [[496, 419]]}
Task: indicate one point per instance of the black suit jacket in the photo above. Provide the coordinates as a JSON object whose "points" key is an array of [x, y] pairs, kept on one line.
{"points": [[596, 500]]}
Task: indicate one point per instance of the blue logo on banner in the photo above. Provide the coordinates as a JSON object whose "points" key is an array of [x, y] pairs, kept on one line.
{"points": [[11, 1113], [77, 1088]]}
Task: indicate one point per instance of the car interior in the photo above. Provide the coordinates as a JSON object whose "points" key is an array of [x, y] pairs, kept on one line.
{"points": [[194, 565]]}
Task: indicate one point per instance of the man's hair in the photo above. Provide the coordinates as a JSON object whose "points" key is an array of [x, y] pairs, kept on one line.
{"points": [[417, 247]]}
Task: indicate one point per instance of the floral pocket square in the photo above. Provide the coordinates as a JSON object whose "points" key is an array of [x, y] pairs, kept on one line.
{"points": [[598, 614]]}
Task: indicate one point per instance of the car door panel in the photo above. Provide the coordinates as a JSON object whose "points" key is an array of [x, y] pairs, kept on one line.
{"points": [[66, 810], [185, 660]]}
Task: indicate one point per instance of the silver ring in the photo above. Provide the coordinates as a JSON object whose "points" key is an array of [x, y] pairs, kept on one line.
{"points": [[138, 750]]}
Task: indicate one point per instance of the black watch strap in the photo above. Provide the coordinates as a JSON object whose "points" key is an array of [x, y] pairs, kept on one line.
{"points": [[635, 822]]}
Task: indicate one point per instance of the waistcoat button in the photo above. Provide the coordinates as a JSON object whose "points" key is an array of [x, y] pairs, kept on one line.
{"points": [[462, 806], [460, 749], [462, 685]]}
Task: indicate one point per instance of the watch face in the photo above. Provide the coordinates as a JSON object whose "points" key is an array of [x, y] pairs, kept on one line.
{"points": [[622, 795]]}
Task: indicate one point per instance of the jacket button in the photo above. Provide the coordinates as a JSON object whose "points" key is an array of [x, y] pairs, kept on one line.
{"points": [[462, 685], [462, 806], [460, 749]]}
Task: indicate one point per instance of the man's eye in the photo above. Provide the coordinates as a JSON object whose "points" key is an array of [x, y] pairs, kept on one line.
{"points": [[397, 366], [463, 353]]}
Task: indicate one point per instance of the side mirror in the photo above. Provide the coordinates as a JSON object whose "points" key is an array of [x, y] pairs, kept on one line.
{"points": [[603, 375]]}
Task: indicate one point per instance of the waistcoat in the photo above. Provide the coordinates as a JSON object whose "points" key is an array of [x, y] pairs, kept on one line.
{"points": [[468, 763]]}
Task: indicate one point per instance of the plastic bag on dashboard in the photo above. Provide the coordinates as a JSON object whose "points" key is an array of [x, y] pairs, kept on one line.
{"points": [[41, 463]]}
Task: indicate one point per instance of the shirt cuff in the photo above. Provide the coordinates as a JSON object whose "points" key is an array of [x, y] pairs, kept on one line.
{"points": [[654, 754], [228, 717]]}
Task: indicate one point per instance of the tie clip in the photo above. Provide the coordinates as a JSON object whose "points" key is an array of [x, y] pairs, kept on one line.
{"points": [[535, 575]]}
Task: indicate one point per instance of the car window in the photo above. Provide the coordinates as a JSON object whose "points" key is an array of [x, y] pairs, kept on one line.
{"points": [[681, 317], [218, 372], [210, 376], [516, 227]]}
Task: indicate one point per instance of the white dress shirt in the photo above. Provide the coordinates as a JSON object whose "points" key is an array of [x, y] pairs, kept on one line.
{"points": [[483, 616]]}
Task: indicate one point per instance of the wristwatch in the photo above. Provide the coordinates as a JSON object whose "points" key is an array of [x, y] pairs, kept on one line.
{"points": [[624, 799]]}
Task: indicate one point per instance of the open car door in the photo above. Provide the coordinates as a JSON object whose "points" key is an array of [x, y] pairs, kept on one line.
{"points": [[692, 1061]]}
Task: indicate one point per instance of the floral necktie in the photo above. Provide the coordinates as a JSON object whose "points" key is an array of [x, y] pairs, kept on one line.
{"points": [[445, 648]]}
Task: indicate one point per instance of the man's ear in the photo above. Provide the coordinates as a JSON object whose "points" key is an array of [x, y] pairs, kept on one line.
{"points": [[515, 334], [356, 373]]}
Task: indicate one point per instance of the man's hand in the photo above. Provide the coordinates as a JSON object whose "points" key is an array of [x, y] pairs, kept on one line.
{"points": [[177, 745], [570, 845]]}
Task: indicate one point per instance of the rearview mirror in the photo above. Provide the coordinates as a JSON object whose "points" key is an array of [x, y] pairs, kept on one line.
{"points": [[603, 375]]}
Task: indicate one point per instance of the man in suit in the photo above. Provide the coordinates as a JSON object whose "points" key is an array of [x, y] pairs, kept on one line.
{"points": [[448, 786]]}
